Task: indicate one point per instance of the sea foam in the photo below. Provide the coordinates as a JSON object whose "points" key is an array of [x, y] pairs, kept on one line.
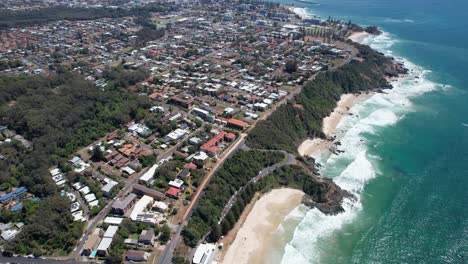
{"points": [[354, 167]]}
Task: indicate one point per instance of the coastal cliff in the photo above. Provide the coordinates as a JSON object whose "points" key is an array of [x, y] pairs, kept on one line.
{"points": [[303, 116], [290, 125]]}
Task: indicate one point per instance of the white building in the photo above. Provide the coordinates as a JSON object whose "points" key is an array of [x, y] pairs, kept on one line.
{"points": [[177, 134], [204, 254], [140, 206], [104, 246], [148, 176], [177, 183]]}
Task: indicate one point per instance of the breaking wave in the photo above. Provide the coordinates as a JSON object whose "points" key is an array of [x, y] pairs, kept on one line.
{"points": [[354, 167]]}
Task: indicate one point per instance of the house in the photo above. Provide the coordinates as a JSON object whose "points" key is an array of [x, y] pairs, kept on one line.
{"points": [[200, 157], [177, 183], [211, 146], [160, 206], [203, 114], [147, 237], [148, 176], [185, 102], [142, 190], [237, 124], [184, 173], [140, 206], [140, 130], [136, 255], [173, 192], [9, 234], [13, 195], [191, 166], [113, 220], [204, 254], [131, 242], [111, 231], [176, 135], [91, 243], [120, 207], [108, 187], [103, 248]]}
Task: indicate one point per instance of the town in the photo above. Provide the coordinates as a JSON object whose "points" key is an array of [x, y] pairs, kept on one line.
{"points": [[211, 71]]}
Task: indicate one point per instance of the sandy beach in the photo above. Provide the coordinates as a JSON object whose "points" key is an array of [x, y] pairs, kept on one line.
{"points": [[359, 36], [268, 213], [312, 147]]}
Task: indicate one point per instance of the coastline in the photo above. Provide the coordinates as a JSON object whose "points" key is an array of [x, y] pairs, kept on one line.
{"points": [[254, 237], [300, 11], [318, 146], [359, 37]]}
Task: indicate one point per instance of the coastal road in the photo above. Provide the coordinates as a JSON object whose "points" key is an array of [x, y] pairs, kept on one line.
{"points": [[166, 258]]}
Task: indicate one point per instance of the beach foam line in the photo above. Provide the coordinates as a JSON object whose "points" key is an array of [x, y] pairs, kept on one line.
{"points": [[354, 168]]}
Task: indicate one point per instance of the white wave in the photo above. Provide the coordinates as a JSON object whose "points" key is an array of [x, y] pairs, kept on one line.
{"points": [[394, 20], [353, 168]]}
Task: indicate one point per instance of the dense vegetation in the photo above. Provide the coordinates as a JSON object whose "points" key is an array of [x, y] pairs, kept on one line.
{"points": [[287, 176], [57, 115], [44, 15], [294, 177], [49, 229], [236, 172], [295, 121]]}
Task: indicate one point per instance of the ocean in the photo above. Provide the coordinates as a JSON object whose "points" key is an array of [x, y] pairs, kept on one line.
{"points": [[405, 152]]}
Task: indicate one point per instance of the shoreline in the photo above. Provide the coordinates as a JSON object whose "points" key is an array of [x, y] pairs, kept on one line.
{"points": [[300, 11], [319, 146], [253, 239], [359, 37]]}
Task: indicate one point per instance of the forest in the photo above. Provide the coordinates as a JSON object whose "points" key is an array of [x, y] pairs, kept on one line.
{"points": [[235, 173], [288, 126], [57, 115]]}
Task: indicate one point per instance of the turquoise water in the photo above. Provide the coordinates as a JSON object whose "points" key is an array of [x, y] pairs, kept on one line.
{"points": [[406, 152]]}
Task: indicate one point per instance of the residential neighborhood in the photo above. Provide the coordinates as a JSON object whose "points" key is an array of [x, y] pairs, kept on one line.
{"points": [[209, 75]]}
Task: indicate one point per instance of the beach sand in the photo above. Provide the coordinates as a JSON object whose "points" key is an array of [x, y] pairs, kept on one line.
{"points": [[359, 36], [317, 146], [252, 240]]}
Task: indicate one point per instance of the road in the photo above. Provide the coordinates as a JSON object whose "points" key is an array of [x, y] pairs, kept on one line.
{"points": [[290, 159], [127, 188], [23, 260], [168, 251]]}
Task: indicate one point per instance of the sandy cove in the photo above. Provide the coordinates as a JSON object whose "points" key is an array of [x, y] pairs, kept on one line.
{"points": [[268, 213], [317, 146], [359, 37]]}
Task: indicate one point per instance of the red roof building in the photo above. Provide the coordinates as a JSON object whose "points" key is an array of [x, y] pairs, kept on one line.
{"points": [[190, 166], [230, 137], [237, 123], [173, 192], [214, 141]]}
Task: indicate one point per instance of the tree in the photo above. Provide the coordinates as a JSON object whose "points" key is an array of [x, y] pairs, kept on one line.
{"points": [[225, 227], [179, 260], [165, 234], [98, 155], [114, 258], [215, 233], [291, 66]]}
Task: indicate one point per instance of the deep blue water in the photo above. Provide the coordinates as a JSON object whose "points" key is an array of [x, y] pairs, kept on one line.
{"points": [[412, 171]]}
